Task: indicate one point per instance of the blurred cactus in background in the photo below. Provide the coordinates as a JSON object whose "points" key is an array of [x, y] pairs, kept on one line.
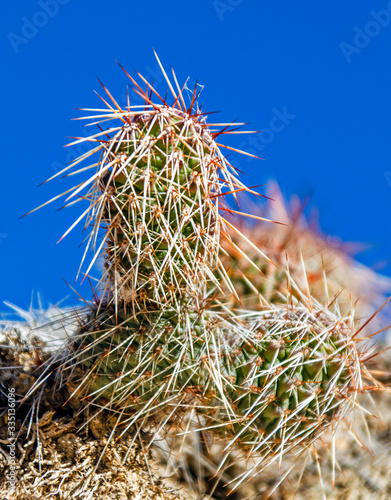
{"points": [[320, 265]]}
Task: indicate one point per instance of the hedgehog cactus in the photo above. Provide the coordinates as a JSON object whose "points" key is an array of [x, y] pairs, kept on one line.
{"points": [[157, 192], [151, 346]]}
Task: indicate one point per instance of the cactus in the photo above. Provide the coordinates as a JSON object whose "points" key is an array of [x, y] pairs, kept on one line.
{"points": [[158, 342], [157, 191]]}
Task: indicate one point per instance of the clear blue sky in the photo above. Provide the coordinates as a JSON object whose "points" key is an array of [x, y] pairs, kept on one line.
{"points": [[325, 68]]}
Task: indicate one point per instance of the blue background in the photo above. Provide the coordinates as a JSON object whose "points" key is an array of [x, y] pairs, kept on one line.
{"points": [[253, 56]]}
